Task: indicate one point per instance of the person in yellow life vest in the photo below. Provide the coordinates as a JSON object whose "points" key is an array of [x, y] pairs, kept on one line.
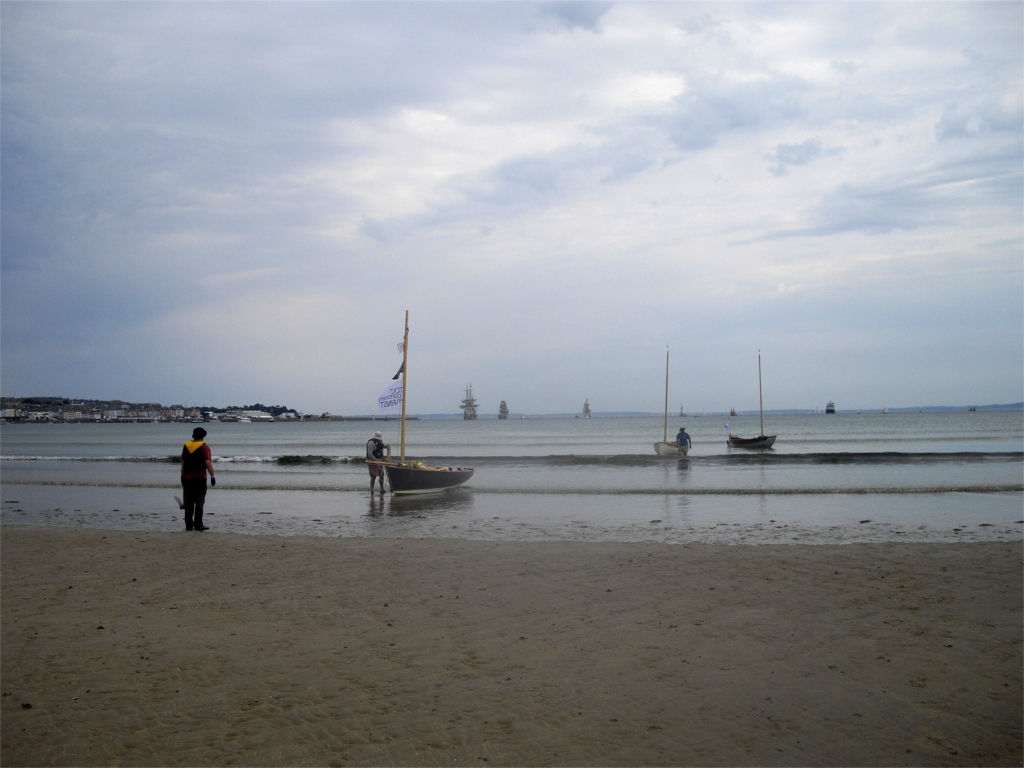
{"points": [[196, 461]]}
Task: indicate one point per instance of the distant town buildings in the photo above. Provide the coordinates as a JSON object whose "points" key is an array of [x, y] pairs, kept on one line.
{"points": [[64, 410]]}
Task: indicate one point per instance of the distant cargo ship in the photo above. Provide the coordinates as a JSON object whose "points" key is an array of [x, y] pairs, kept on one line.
{"points": [[830, 407]]}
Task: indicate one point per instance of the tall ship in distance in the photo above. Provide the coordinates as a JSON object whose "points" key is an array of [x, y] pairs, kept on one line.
{"points": [[469, 404], [586, 408], [503, 411]]}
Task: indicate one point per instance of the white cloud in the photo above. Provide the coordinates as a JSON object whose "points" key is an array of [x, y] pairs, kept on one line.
{"points": [[644, 91]]}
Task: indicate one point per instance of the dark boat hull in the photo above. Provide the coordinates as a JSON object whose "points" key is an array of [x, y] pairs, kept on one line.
{"points": [[405, 478], [754, 443]]}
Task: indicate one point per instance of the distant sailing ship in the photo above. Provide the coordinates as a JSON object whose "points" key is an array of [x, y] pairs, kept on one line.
{"points": [[503, 411], [586, 408], [469, 404], [682, 412]]}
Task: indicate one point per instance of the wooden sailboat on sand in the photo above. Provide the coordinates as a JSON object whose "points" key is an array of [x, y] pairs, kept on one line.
{"points": [[756, 443], [414, 477], [665, 448]]}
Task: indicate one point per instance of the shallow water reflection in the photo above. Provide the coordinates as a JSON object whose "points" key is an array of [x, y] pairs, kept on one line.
{"points": [[474, 514]]}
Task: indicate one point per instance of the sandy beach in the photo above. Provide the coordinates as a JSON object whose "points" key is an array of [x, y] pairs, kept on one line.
{"points": [[124, 648]]}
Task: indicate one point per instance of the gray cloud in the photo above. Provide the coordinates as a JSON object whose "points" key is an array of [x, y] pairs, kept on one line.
{"points": [[576, 15], [713, 106], [969, 121], [943, 194], [933, 196], [163, 160], [524, 185], [786, 156]]}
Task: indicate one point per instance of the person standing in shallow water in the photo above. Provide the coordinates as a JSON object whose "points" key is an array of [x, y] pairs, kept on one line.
{"points": [[196, 461], [375, 452]]}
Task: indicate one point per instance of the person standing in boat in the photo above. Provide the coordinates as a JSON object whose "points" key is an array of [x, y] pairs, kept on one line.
{"points": [[196, 461], [683, 439], [375, 452]]}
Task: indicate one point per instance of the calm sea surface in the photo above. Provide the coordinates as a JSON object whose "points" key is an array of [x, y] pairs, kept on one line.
{"points": [[947, 476]]}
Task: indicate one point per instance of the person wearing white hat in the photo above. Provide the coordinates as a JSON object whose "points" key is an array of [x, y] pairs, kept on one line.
{"points": [[375, 452]]}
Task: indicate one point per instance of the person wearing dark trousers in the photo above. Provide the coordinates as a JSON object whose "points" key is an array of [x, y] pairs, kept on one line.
{"points": [[196, 461]]}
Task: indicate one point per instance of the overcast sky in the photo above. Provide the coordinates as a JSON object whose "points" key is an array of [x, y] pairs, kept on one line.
{"points": [[226, 203]]}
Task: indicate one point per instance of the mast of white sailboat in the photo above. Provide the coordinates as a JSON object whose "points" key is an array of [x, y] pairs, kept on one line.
{"points": [[760, 396], [665, 437], [405, 378]]}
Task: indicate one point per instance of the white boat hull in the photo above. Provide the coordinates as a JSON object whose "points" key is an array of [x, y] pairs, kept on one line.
{"points": [[669, 449]]}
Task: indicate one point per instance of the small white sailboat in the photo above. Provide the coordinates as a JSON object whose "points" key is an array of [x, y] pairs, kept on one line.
{"points": [[664, 447]]}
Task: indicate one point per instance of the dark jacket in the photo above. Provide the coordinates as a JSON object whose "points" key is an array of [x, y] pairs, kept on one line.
{"points": [[374, 449]]}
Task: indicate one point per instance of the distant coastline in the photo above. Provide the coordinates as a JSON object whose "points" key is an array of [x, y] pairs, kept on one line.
{"points": [[67, 410]]}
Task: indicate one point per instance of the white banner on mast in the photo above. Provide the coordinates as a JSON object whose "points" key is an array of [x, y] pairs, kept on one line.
{"points": [[391, 400]]}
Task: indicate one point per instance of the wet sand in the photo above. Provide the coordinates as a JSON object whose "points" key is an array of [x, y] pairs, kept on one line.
{"points": [[123, 648]]}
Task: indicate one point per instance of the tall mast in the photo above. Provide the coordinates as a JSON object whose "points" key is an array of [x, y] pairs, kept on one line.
{"points": [[405, 378], [665, 437], [760, 395]]}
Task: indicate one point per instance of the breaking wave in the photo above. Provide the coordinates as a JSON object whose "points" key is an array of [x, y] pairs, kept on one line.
{"points": [[285, 460]]}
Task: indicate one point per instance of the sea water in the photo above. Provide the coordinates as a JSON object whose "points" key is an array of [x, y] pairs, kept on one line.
{"points": [[931, 476]]}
